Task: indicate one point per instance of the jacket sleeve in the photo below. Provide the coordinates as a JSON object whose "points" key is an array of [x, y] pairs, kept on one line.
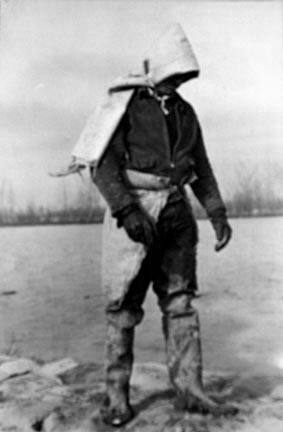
{"points": [[205, 187], [108, 175]]}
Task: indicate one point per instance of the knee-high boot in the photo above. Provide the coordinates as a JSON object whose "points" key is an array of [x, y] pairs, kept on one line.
{"points": [[184, 358], [116, 409]]}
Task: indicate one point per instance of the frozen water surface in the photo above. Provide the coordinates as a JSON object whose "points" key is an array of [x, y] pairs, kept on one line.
{"points": [[51, 304]]}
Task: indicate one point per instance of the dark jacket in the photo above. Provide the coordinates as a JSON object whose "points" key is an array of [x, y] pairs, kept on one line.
{"points": [[148, 141]]}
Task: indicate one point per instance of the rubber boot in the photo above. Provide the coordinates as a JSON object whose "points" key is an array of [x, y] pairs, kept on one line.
{"points": [[184, 358], [116, 410]]}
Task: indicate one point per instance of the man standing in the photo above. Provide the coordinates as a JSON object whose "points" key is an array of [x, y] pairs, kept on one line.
{"points": [[150, 234]]}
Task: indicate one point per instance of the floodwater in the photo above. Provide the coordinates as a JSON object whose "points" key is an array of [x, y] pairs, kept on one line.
{"points": [[51, 303]]}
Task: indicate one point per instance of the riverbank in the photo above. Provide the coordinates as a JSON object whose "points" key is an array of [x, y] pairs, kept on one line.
{"points": [[65, 396]]}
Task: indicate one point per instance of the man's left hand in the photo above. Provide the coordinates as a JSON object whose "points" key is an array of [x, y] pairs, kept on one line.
{"points": [[223, 233]]}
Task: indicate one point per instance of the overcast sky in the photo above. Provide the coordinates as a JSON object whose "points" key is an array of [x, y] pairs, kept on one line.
{"points": [[57, 58]]}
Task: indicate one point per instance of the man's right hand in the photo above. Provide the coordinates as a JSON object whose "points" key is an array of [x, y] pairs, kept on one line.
{"points": [[139, 227]]}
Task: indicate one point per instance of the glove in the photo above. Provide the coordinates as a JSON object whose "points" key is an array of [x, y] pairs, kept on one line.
{"points": [[139, 227], [223, 230]]}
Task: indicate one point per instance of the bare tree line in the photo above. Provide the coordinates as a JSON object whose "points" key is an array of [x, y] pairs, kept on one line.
{"points": [[252, 194]]}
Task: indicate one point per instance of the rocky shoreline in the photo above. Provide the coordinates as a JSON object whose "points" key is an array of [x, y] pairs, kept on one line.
{"points": [[65, 396]]}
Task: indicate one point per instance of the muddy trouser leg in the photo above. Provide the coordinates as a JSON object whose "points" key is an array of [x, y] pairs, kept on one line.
{"points": [[175, 285], [121, 320]]}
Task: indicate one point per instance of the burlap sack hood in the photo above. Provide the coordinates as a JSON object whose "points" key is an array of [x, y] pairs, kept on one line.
{"points": [[171, 54]]}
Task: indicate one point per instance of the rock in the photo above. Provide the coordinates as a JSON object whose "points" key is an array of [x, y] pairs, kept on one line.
{"points": [[251, 387], [35, 411], [13, 420], [51, 423], [28, 400], [29, 387], [58, 368], [87, 374], [5, 358], [17, 367], [54, 423], [269, 425], [179, 429], [150, 375], [56, 394], [269, 408], [277, 393]]}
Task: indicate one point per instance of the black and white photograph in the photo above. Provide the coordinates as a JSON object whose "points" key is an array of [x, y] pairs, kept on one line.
{"points": [[141, 215]]}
